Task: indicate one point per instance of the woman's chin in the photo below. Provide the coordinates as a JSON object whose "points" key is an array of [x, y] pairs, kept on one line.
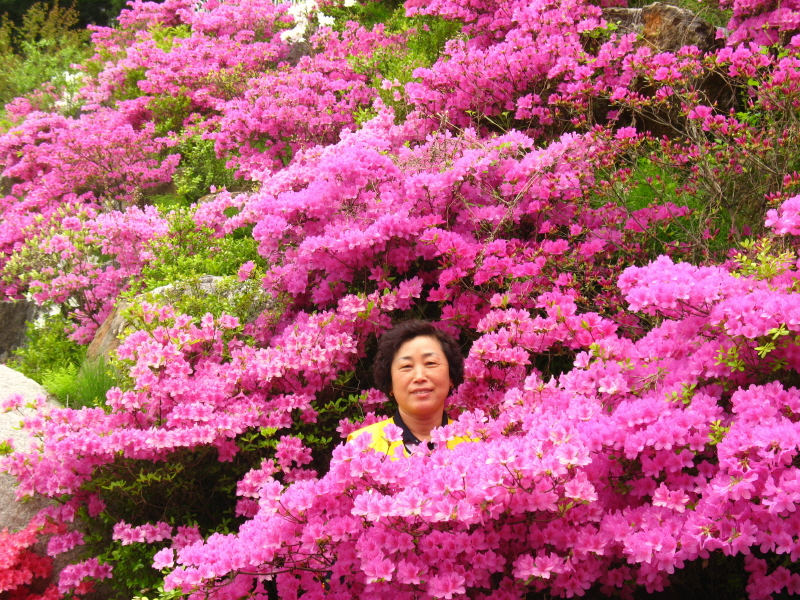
{"points": [[424, 409]]}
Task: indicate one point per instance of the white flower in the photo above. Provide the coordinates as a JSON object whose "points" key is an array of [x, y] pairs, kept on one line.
{"points": [[295, 34], [303, 9]]}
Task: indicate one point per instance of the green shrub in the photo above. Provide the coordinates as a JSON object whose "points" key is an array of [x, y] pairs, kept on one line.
{"points": [[133, 570], [59, 364], [368, 14], [169, 112], [189, 251], [95, 378], [427, 36], [189, 487], [99, 12], [200, 169], [653, 181], [49, 349], [80, 386], [41, 49], [60, 382], [158, 593]]}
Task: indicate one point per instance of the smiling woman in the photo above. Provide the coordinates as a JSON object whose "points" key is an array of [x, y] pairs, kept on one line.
{"points": [[418, 366]]}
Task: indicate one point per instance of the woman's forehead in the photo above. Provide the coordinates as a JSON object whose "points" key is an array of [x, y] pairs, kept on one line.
{"points": [[422, 345]]}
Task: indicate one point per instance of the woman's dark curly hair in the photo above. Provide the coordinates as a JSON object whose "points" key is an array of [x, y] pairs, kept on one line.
{"points": [[390, 343]]}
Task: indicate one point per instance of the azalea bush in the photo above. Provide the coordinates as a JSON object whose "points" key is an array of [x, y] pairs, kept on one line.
{"points": [[625, 300]]}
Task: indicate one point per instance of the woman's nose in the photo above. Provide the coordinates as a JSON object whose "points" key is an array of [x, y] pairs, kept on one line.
{"points": [[419, 372]]}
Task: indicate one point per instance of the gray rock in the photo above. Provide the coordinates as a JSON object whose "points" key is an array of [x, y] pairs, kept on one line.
{"points": [[107, 337], [668, 28], [14, 382], [664, 27], [13, 319], [15, 515]]}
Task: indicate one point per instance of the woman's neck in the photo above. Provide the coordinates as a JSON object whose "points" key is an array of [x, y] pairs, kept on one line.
{"points": [[421, 427]]}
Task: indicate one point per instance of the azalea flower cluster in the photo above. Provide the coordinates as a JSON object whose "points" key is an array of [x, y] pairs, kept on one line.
{"points": [[646, 455], [60, 265], [20, 566], [495, 75], [24, 572], [59, 168], [627, 414], [762, 22]]}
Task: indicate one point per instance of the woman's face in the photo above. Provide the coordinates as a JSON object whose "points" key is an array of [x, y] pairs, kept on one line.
{"points": [[420, 377]]}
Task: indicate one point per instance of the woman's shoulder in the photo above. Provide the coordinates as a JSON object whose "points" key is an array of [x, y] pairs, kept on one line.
{"points": [[373, 429]]}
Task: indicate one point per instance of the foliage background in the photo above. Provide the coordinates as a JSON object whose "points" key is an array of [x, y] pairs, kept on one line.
{"points": [[263, 189]]}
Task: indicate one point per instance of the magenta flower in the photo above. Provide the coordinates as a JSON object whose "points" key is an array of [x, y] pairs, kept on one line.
{"points": [[446, 586]]}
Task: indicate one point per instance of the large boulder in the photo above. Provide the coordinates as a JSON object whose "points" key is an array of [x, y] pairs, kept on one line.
{"points": [[664, 27], [14, 382], [107, 337], [668, 28], [15, 515], [14, 317]]}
